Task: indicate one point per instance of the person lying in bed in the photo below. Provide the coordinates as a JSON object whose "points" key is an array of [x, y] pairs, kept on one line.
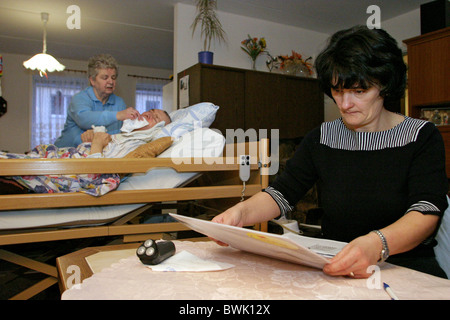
{"points": [[96, 145], [119, 145]]}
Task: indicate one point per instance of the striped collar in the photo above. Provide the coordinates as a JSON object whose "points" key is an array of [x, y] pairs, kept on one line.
{"points": [[336, 135]]}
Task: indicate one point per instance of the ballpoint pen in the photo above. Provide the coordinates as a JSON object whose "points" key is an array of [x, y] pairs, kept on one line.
{"points": [[389, 291]]}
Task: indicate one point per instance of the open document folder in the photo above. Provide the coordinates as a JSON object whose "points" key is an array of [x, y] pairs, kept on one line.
{"points": [[313, 252]]}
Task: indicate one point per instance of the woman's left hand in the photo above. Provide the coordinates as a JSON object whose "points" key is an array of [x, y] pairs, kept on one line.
{"points": [[355, 258]]}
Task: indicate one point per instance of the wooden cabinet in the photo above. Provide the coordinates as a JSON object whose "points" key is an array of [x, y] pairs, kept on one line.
{"points": [[445, 131], [428, 70], [259, 100], [429, 77]]}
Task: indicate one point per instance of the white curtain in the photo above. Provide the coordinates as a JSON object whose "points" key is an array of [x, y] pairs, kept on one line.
{"points": [[51, 98], [149, 94]]}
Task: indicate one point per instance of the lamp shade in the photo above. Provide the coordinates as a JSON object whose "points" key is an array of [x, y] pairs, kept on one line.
{"points": [[43, 62]]}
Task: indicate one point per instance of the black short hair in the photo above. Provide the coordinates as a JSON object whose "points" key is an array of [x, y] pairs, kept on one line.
{"points": [[363, 57]]}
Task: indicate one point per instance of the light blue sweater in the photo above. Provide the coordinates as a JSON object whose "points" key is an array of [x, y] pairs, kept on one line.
{"points": [[86, 110]]}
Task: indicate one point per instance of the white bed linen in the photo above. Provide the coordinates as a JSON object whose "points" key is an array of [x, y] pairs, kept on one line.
{"points": [[197, 143]]}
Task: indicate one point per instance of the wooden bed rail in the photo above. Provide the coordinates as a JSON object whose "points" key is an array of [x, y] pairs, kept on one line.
{"points": [[78, 199], [14, 167]]}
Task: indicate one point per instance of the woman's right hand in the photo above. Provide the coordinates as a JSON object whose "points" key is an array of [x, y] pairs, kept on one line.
{"points": [[256, 209], [233, 217]]}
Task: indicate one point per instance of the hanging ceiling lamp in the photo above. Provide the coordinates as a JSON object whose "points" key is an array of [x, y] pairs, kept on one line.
{"points": [[43, 61]]}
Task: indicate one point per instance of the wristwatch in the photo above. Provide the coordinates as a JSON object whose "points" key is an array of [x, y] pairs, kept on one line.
{"points": [[385, 250]]}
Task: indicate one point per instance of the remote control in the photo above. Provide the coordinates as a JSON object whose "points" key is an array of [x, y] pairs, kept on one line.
{"points": [[244, 168], [152, 252]]}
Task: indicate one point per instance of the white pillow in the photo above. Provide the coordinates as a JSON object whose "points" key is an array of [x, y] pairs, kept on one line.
{"points": [[201, 142], [200, 115]]}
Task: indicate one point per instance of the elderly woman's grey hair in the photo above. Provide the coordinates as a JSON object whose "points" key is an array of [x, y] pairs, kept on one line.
{"points": [[101, 61]]}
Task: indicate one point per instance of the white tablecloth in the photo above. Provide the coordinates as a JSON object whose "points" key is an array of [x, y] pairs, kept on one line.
{"points": [[253, 278]]}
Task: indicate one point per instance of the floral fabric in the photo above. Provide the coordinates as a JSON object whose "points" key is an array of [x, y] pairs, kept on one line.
{"points": [[93, 184]]}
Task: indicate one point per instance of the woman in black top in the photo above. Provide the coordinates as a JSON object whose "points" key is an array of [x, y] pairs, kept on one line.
{"points": [[381, 174]]}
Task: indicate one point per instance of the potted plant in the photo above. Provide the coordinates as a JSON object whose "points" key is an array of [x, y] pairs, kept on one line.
{"points": [[210, 27]]}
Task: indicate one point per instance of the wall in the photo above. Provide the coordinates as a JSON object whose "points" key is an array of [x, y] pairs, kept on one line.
{"points": [[17, 90], [403, 27], [281, 39]]}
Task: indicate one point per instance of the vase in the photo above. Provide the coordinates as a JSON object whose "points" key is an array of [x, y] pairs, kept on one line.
{"points": [[296, 69], [253, 64], [206, 57], [303, 72]]}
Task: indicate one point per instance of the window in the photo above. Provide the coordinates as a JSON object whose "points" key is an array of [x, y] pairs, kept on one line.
{"points": [[149, 95], [51, 98]]}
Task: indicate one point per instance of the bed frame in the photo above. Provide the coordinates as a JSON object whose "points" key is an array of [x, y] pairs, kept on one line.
{"points": [[228, 186]]}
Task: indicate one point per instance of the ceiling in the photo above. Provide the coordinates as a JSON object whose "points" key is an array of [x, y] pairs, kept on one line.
{"points": [[140, 32]]}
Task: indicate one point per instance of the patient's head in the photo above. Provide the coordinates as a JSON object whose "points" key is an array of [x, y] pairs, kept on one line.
{"points": [[155, 116]]}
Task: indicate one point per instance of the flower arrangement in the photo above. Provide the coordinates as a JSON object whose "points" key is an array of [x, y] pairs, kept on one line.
{"points": [[295, 64], [253, 47]]}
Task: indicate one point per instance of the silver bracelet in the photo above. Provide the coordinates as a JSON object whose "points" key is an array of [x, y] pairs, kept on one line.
{"points": [[385, 250]]}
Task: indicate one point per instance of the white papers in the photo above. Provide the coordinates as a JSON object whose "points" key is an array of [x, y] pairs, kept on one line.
{"points": [[324, 247], [181, 261], [186, 261], [267, 244]]}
